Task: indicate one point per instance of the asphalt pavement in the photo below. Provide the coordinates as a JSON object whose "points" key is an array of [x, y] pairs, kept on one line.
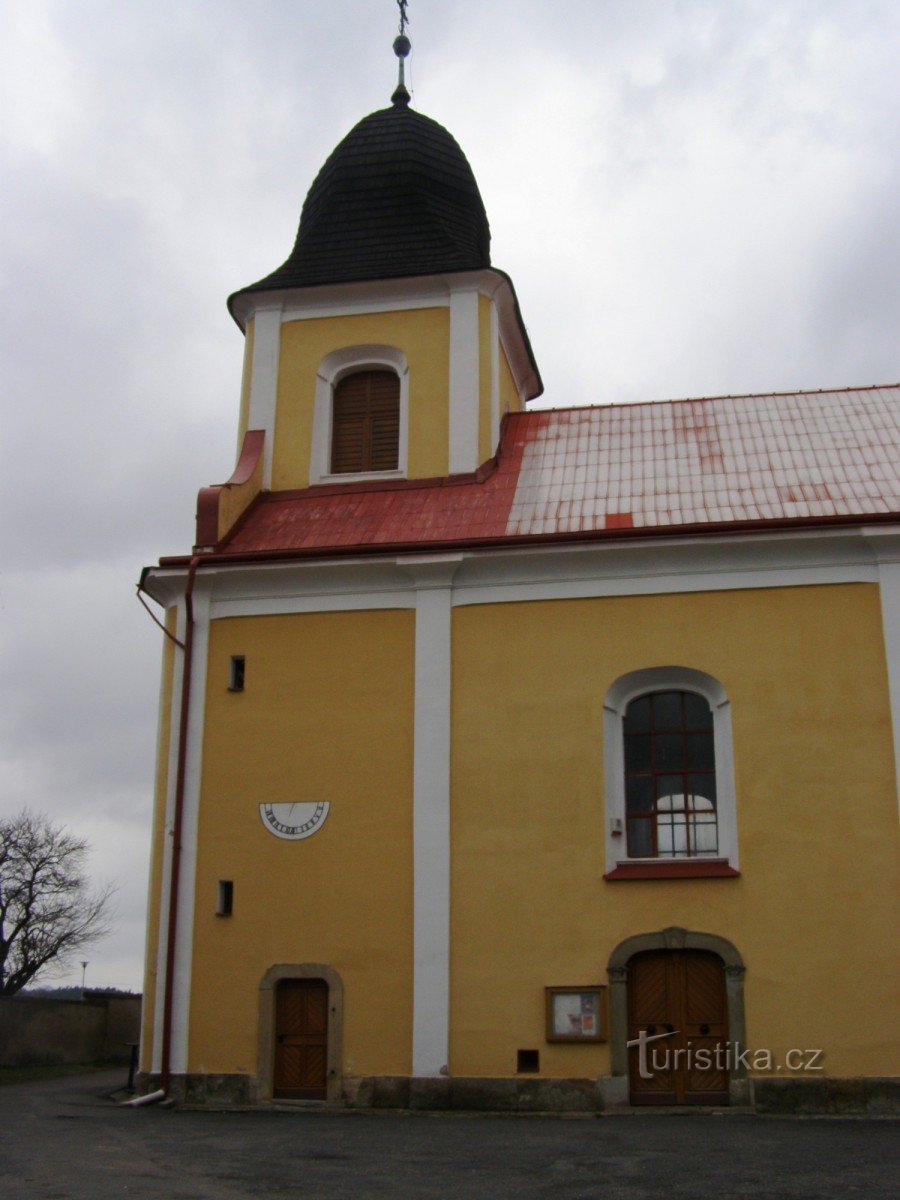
{"points": [[64, 1139]]}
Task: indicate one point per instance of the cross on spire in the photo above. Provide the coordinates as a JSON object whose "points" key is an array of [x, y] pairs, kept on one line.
{"points": [[402, 47]]}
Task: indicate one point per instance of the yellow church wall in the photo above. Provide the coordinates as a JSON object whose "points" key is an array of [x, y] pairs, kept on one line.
{"points": [[424, 337], [157, 840], [326, 714], [811, 913]]}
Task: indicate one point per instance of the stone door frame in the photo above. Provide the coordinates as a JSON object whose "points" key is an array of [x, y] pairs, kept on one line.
{"points": [[266, 1040], [615, 1090]]}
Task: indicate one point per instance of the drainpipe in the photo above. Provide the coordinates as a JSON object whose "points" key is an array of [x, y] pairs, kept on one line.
{"points": [[140, 1101], [175, 873]]}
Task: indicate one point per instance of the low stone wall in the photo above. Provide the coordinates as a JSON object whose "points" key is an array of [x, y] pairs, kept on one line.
{"points": [[96, 1029]]}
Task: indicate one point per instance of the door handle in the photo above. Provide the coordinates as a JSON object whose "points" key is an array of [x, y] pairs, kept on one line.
{"points": [[704, 1029]]}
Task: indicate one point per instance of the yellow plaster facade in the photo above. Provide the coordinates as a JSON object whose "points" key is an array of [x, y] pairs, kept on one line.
{"points": [[422, 334], [328, 713], [346, 899], [528, 814]]}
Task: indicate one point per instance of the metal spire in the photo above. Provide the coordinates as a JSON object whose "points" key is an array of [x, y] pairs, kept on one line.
{"points": [[402, 47]]}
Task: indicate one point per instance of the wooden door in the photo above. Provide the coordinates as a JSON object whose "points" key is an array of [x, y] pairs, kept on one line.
{"points": [[679, 994], [301, 1039]]}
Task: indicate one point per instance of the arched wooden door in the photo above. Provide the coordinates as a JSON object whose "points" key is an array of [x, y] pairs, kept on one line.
{"points": [[301, 1039], [677, 1009]]}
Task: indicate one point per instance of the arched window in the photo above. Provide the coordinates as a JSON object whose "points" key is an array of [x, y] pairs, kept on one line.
{"points": [[361, 414], [365, 423], [669, 776]]}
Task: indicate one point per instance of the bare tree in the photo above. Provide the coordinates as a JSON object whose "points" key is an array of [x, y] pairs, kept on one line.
{"points": [[48, 910]]}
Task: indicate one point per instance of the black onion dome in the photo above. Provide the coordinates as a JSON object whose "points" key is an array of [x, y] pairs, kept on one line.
{"points": [[396, 197]]}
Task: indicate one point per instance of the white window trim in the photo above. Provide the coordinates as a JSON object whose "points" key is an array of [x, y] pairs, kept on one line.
{"points": [[619, 696], [332, 370]]}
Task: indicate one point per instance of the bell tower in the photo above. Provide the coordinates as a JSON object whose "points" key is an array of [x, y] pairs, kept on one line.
{"points": [[386, 348]]}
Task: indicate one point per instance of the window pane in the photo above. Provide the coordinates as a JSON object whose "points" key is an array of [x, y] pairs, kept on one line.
{"points": [[637, 752], [640, 838], [672, 831], [699, 749], [668, 786], [671, 834], [637, 715], [697, 713], [700, 804], [702, 785], [667, 710], [704, 833], [669, 750], [639, 793]]}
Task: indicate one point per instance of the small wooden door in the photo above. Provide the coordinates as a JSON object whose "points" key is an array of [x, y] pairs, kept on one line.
{"points": [[679, 993], [301, 1039]]}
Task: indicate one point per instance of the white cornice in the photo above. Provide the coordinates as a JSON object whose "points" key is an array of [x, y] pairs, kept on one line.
{"points": [[620, 568]]}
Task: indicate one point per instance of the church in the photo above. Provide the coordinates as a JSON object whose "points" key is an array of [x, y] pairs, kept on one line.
{"points": [[517, 759]]}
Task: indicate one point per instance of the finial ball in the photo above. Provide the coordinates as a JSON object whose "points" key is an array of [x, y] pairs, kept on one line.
{"points": [[402, 45]]}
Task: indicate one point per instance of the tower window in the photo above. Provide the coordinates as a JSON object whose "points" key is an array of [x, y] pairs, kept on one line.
{"points": [[366, 423]]}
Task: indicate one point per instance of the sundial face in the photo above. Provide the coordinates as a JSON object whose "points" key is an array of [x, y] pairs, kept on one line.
{"points": [[293, 822]]}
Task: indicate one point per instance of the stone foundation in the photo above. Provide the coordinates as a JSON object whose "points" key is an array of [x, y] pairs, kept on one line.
{"points": [[473, 1094], [870, 1096], [792, 1097], [213, 1091]]}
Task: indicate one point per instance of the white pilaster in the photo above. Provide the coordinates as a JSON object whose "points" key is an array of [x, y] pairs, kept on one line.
{"points": [[184, 940], [264, 378], [184, 932], [463, 432], [431, 816], [171, 772], [495, 378], [886, 545]]}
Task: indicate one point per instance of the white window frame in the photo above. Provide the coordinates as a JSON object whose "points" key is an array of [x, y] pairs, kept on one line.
{"points": [[332, 369], [666, 679]]}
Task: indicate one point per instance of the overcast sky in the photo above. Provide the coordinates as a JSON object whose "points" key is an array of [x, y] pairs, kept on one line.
{"points": [[693, 197]]}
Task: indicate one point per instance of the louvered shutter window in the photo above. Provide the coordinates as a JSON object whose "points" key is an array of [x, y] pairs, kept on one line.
{"points": [[366, 422]]}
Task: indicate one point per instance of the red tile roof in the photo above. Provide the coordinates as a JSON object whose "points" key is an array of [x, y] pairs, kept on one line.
{"points": [[653, 468]]}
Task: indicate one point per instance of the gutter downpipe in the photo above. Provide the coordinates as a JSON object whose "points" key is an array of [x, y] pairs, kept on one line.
{"points": [[175, 873]]}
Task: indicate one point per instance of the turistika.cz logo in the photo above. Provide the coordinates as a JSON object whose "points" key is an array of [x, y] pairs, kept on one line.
{"points": [[724, 1056]]}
